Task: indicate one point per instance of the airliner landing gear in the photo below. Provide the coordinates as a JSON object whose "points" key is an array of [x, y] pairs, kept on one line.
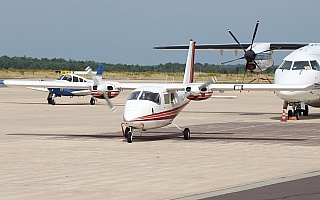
{"points": [[50, 99], [298, 108]]}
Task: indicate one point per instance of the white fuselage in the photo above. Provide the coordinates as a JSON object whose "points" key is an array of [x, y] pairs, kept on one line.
{"points": [[300, 67], [158, 110]]}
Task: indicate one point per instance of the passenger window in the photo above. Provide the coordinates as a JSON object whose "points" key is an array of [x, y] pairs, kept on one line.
{"points": [[166, 98], [300, 65], [285, 65], [314, 65], [172, 97]]}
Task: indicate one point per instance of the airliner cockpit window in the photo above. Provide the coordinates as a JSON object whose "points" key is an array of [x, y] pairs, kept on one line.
{"points": [[67, 77], [315, 65], [134, 95], [285, 65], [300, 65], [150, 96]]}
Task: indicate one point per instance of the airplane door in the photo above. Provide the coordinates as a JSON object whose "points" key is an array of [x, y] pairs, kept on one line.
{"points": [[166, 101]]}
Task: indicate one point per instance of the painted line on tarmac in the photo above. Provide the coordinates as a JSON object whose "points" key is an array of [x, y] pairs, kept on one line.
{"points": [[251, 186]]}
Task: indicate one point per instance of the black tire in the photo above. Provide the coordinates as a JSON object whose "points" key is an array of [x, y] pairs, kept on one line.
{"points": [[290, 114], [297, 114], [129, 137], [306, 111], [126, 131], [53, 102], [186, 134], [92, 101], [49, 101]]}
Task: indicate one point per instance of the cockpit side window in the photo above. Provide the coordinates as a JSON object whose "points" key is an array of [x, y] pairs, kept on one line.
{"points": [[134, 95], [150, 96], [285, 65], [315, 65], [300, 65], [75, 79]]}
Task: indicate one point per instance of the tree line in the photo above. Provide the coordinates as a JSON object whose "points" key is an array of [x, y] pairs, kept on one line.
{"points": [[29, 63]]}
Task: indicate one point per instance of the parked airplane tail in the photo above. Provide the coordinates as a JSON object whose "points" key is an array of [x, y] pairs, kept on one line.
{"points": [[189, 71]]}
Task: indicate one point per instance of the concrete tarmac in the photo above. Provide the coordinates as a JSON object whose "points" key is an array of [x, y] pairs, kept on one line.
{"points": [[76, 151]]}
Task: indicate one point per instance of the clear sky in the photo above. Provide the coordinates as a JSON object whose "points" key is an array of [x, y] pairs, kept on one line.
{"points": [[125, 31]]}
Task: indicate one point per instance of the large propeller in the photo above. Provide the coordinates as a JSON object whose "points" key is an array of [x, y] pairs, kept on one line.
{"points": [[249, 55], [101, 88]]}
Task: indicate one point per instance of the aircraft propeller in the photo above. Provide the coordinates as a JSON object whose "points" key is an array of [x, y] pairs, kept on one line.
{"points": [[101, 88], [249, 55]]}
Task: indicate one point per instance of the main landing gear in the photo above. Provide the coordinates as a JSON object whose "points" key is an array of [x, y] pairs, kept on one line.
{"points": [[93, 101], [128, 133], [298, 108], [50, 99]]}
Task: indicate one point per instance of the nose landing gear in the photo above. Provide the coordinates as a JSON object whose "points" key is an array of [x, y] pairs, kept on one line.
{"points": [[298, 108]]}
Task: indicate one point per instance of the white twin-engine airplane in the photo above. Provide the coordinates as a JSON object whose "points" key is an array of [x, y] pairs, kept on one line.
{"points": [[152, 106]]}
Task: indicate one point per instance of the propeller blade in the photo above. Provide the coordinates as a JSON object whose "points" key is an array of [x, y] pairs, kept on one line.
{"points": [[235, 39], [232, 60], [93, 77], [257, 65], [205, 84], [254, 34], [112, 108]]}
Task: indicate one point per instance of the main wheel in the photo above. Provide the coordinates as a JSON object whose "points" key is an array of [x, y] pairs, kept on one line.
{"points": [[305, 111], [126, 131], [92, 101], [297, 114], [49, 101], [129, 137], [53, 102], [186, 134]]}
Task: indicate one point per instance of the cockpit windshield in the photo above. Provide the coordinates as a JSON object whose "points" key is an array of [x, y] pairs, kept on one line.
{"points": [[299, 65], [145, 95], [285, 65], [134, 95]]}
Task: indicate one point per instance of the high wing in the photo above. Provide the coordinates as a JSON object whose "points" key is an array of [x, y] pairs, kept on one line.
{"points": [[261, 87], [46, 84], [235, 46], [169, 86]]}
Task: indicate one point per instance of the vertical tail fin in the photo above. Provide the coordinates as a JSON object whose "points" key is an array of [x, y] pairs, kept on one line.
{"points": [[100, 71], [189, 71]]}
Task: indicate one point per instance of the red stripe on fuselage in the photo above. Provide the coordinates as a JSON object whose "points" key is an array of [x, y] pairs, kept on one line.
{"points": [[168, 114]]}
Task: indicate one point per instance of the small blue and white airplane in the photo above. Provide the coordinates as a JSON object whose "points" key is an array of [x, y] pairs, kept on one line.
{"points": [[70, 85]]}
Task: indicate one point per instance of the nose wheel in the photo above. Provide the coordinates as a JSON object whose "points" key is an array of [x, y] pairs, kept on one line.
{"points": [[128, 134]]}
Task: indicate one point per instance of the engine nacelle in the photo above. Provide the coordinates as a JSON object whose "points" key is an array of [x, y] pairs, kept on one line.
{"points": [[110, 91], [197, 95]]}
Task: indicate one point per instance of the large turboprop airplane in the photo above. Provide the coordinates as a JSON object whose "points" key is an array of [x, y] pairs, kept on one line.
{"points": [[152, 105], [258, 56], [300, 67]]}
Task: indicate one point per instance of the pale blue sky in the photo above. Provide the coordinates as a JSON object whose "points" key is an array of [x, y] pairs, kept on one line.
{"points": [[124, 31]]}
